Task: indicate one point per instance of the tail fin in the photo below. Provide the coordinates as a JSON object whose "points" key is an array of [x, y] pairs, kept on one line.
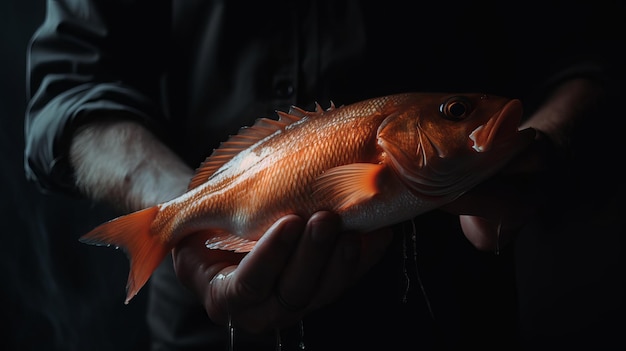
{"points": [[132, 233]]}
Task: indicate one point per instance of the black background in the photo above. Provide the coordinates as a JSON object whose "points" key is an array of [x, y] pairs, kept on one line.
{"points": [[58, 294]]}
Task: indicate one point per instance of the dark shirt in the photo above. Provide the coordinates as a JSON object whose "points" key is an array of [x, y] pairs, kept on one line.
{"points": [[201, 69], [196, 71]]}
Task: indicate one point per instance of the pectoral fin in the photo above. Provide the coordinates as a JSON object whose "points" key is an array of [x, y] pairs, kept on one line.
{"points": [[350, 184]]}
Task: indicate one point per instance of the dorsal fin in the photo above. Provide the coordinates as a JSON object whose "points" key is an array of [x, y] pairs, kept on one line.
{"points": [[246, 137]]}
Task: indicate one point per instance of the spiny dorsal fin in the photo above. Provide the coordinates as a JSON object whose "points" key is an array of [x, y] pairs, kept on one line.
{"points": [[246, 137]]}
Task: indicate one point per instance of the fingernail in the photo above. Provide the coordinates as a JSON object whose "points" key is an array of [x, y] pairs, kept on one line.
{"points": [[324, 230], [322, 233]]}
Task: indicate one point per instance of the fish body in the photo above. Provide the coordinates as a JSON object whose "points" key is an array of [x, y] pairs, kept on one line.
{"points": [[376, 163]]}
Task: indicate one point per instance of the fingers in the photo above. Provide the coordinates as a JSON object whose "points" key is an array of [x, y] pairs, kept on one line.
{"points": [[482, 233], [294, 268], [300, 278], [195, 265], [203, 272], [259, 270], [340, 270], [275, 282], [353, 256], [494, 211], [328, 261]]}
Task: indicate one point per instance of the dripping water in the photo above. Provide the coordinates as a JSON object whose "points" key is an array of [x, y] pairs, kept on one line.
{"points": [[413, 239], [301, 345], [498, 237], [231, 334], [279, 341]]}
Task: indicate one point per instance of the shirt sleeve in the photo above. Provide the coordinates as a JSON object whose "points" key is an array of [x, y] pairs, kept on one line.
{"points": [[89, 56]]}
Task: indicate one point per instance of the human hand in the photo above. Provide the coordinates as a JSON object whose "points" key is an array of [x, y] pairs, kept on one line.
{"points": [[493, 212], [295, 268]]}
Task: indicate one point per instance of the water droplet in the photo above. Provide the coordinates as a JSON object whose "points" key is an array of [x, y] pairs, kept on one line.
{"points": [[279, 341], [498, 238], [231, 334], [301, 344], [413, 239]]}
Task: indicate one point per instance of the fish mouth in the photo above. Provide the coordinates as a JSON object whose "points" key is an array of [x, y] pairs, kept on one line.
{"points": [[504, 125]]}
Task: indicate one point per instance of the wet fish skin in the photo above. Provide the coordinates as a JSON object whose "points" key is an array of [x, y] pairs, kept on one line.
{"points": [[376, 162]]}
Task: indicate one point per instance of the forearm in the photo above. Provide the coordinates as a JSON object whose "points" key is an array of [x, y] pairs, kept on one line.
{"points": [[122, 163], [86, 58]]}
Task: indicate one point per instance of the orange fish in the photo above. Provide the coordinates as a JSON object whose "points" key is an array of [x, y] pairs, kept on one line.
{"points": [[376, 163]]}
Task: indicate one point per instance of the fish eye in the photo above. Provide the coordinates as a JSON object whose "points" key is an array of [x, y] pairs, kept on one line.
{"points": [[456, 108]]}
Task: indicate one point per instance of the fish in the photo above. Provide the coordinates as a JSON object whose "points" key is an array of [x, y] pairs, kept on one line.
{"points": [[375, 162]]}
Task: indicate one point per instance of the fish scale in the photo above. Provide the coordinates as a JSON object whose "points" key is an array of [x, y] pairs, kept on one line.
{"points": [[376, 163]]}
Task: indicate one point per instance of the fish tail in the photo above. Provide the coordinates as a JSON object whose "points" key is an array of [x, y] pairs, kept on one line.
{"points": [[132, 233]]}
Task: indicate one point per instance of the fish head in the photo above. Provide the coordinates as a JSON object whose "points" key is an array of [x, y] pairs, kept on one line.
{"points": [[441, 145]]}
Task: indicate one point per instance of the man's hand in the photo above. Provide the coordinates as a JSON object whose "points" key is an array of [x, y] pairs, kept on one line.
{"points": [[493, 212], [296, 267]]}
